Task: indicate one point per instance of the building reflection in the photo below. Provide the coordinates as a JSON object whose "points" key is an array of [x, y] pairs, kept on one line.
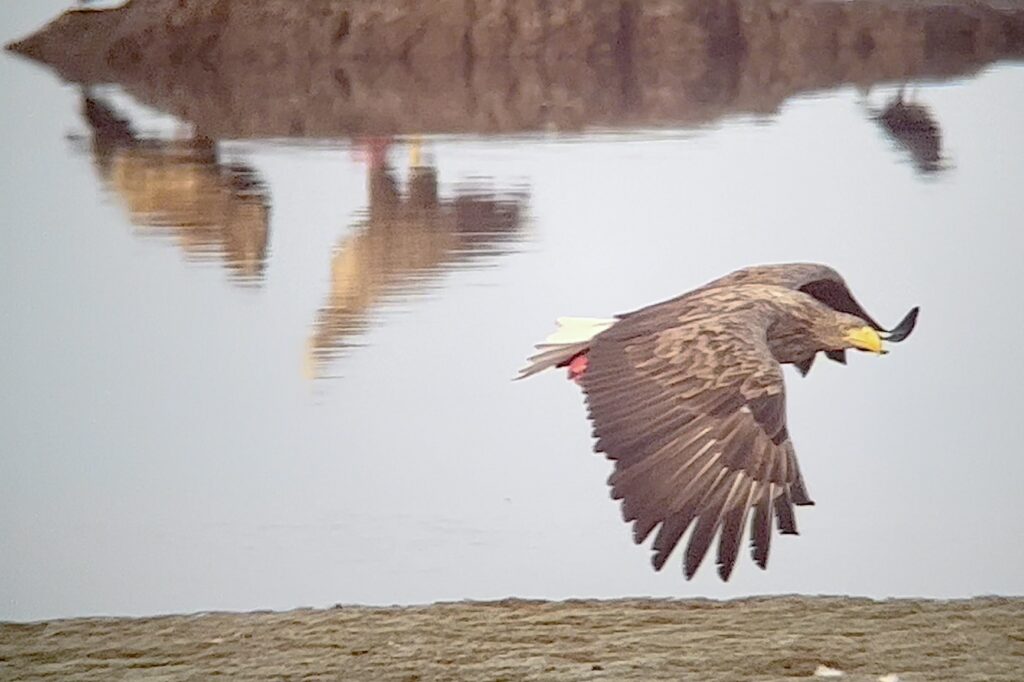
{"points": [[406, 240], [181, 190], [912, 126]]}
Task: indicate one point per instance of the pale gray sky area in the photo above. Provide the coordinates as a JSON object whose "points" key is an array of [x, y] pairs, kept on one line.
{"points": [[163, 449]]}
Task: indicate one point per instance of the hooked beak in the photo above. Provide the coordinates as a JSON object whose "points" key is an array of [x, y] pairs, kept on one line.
{"points": [[865, 338]]}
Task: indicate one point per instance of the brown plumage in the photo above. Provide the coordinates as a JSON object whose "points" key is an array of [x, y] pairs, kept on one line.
{"points": [[687, 398]]}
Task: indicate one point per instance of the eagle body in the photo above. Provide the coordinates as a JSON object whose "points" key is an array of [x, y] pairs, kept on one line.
{"points": [[687, 398]]}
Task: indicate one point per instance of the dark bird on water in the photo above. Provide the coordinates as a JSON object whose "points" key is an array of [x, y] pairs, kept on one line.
{"points": [[915, 129], [687, 398]]}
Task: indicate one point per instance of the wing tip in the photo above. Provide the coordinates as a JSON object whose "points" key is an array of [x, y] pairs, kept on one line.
{"points": [[905, 327]]}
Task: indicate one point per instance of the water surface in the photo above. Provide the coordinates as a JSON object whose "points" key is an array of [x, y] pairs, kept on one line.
{"points": [[265, 373]]}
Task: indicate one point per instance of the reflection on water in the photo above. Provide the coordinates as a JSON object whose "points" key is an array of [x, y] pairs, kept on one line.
{"points": [[406, 240], [426, 474], [180, 189], [525, 67], [915, 129]]}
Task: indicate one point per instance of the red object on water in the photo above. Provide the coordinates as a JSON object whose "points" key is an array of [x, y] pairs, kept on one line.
{"points": [[577, 366]]}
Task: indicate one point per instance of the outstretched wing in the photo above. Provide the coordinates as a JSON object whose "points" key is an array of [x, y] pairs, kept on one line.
{"points": [[693, 414], [824, 284], [835, 294], [820, 282]]}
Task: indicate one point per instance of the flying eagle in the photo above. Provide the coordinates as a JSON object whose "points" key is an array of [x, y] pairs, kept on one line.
{"points": [[687, 397]]}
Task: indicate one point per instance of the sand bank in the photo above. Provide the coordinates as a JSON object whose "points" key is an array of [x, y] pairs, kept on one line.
{"points": [[770, 638]]}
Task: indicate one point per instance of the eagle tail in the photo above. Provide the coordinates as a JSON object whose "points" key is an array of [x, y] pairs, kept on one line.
{"points": [[572, 337]]}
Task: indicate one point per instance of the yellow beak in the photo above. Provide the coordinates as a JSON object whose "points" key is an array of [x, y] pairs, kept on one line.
{"points": [[865, 338]]}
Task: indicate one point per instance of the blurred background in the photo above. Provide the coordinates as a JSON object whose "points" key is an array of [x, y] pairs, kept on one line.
{"points": [[259, 311]]}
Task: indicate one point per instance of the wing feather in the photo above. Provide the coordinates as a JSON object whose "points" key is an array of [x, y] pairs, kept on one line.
{"points": [[784, 514], [761, 528], [732, 529], [691, 408], [707, 523], [822, 283], [671, 531]]}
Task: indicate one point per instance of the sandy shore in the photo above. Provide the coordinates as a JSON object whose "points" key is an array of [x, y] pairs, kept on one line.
{"points": [[770, 638]]}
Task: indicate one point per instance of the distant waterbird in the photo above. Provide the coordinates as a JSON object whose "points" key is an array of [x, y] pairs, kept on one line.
{"points": [[687, 398], [913, 127]]}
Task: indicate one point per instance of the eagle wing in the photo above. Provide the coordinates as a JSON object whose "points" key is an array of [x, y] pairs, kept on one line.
{"points": [[822, 283], [693, 414]]}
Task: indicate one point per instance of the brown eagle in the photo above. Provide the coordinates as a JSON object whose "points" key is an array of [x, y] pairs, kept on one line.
{"points": [[687, 397]]}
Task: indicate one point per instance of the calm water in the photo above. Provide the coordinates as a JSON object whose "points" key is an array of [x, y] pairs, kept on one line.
{"points": [[244, 374]]}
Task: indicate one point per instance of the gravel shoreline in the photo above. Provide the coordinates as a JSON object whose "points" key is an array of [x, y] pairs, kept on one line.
{"points": [[764, 638]]}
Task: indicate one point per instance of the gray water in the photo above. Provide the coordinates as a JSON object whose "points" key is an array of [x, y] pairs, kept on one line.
{"points": [[305, 399]]}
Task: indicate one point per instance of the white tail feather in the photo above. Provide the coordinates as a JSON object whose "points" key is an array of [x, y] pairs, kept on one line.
{"points": [[577, 329], [573, 336]]}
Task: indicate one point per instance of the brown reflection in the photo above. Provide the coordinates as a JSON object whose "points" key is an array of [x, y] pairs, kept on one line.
{"points": [[914, 128], [181, 189], [238, 69], [406, 240]]}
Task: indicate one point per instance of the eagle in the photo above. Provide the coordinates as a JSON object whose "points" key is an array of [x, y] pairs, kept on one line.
{"points": [[687, 398]]}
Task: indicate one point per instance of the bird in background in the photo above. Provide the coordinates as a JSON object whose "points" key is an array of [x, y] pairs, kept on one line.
{"points": [[687, 398]]}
